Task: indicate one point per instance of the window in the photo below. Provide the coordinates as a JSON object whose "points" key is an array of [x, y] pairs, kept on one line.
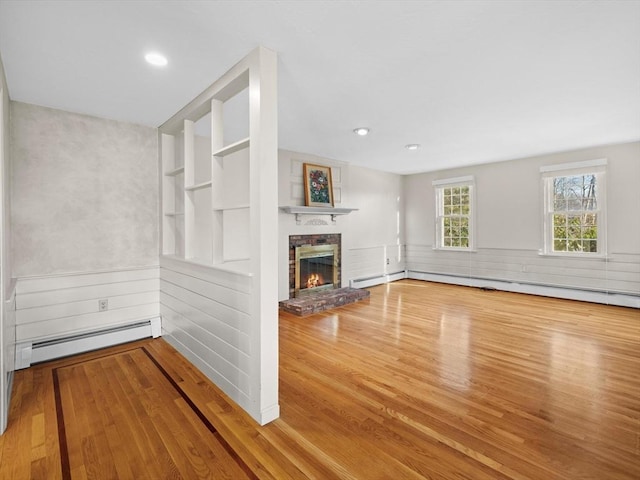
{"points": [[574, 208], [454, 216]]}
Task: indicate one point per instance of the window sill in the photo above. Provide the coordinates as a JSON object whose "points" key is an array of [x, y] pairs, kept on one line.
{"points": [[588, 256], [453, 249]]}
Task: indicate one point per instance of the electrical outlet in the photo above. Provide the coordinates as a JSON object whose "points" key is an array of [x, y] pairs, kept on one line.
{"points": [[103, 305], [387, 261]]}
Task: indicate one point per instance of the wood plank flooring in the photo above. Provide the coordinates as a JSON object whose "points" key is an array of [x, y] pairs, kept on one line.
{"points": [[424, 380]]}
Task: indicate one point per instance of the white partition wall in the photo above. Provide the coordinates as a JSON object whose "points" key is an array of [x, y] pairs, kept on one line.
{"points": [[218, 300], [7, 317]]}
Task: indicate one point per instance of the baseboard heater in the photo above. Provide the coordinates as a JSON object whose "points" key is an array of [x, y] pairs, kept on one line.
{"points": [[29, 353], [595, 296], [570, 293], [377, 279]]}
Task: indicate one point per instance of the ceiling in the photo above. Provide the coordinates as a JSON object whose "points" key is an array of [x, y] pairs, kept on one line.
{"points": [[470, 81]]}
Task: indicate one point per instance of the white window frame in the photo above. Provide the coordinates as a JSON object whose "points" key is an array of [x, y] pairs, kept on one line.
{"points": [[439, 187], [589, 167]]}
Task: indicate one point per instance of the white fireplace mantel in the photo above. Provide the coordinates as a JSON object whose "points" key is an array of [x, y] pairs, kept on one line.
{"points": [[301, 210]]}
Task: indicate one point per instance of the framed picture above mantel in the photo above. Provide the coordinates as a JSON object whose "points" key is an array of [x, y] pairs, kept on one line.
{"points": [[318, 188]]}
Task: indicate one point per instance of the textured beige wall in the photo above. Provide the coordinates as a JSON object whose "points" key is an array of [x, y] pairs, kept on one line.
{"points": [[84, 192]]}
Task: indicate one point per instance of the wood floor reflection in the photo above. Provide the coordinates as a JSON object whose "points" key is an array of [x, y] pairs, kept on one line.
{"points": [[424, 380]]}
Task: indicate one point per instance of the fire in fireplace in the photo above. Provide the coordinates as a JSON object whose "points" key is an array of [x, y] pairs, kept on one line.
{"points": [[316, 268]]}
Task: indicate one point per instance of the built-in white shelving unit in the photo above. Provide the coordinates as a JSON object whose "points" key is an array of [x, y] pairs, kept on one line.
{"points": [[175, 171], [218, 298], [198, 186], [232, 148], [172, 192]]}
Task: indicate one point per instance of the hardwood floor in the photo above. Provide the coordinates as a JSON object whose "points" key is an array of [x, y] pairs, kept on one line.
{"points": [[422, 381]]}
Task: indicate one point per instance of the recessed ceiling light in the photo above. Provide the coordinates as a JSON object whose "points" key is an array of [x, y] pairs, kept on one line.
{"points": [[412, 146], [362, 131], [155, 58]]}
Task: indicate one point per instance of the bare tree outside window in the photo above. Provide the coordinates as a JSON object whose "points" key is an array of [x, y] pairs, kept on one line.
{"points": [[575, 214]]}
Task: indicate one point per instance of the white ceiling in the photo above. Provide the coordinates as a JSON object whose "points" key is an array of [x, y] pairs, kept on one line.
{"points": [[471, 81]]}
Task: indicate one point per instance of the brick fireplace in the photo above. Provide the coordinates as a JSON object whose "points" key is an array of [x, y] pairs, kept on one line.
{"points": [[314, 263], [308, 294]]}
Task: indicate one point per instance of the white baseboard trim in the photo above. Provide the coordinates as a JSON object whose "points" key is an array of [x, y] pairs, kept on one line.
{"points": [[594, 296], [618, 299], [377, 280], [28, 352], [269, 414]]}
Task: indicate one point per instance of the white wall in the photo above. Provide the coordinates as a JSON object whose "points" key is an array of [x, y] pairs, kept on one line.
{"points": [[85, 221], [370, 235], [509, 224], [7, 317]]}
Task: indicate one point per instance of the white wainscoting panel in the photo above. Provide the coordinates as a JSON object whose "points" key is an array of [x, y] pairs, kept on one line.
{"points": [[64, 305], [372, 262], [8, 350], [205, 316], [618, 274]]}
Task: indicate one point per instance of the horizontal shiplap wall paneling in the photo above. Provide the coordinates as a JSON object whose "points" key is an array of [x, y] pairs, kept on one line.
{"points": [[206, 315], [63, 305], [9, 331], [368, 262], [619, 273]]}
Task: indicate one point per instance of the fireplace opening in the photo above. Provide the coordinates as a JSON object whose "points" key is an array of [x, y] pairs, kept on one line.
{"points": [[316, 269]]}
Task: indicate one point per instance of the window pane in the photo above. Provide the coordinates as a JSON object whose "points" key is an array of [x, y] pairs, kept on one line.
{"points": [[574, 220], [559, 203], [591, 219], [559, 245], [560, 232], [574, 202], [590, 246], [574, 231], [590, 232], [574, 245], [560, 220], [558, 186]]}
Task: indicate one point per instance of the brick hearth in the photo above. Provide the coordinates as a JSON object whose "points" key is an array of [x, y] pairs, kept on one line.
{"points": [[324, 301]]}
